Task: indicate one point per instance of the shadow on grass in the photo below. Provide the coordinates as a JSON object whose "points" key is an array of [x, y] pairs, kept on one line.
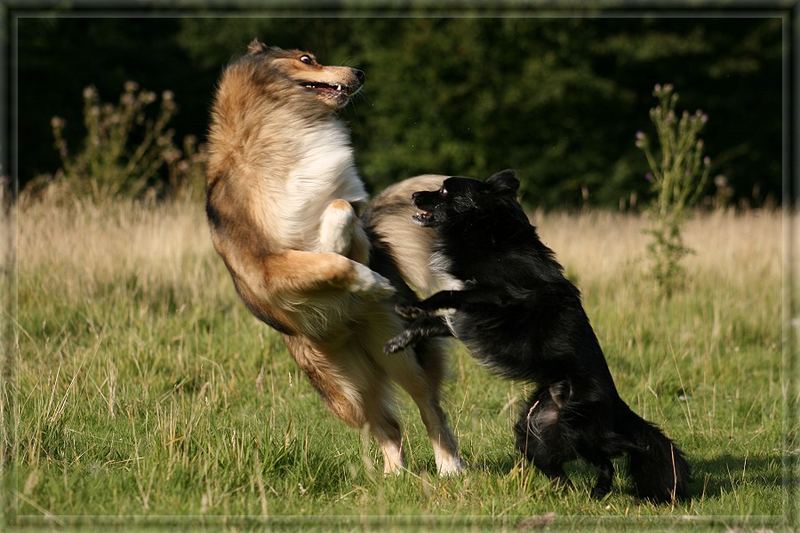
{"points": [[711, 477], [727, 473], [496, 464]]}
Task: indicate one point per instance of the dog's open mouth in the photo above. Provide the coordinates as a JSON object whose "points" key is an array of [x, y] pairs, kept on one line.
{"points": [[422, 217], [327, 89]]}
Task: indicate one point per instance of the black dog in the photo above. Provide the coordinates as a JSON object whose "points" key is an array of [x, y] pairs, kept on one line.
{"points": [[521, 317]]}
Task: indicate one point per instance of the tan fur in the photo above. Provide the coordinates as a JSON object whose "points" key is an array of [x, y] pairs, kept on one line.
{"points": [[283, 197], [390, 213]]}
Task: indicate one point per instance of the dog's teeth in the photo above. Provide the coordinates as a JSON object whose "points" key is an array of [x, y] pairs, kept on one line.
{"points": [[338, 87]]}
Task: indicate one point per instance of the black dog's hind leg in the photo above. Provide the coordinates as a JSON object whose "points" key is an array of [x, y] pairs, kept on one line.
{"points": [[598, 443], [541, 437], [605, 469], [421, 328], [605, 477]]}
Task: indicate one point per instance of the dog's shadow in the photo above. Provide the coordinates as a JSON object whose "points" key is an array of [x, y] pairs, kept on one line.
{"points": [[711, 478], [727, 473], [496, 465]]}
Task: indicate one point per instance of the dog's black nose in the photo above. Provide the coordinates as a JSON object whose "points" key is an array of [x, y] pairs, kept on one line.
{"points": [[359, 75]]}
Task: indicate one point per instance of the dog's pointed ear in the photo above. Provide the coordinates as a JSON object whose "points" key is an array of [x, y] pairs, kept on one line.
{"points": [[504, 182], [256, 47]]}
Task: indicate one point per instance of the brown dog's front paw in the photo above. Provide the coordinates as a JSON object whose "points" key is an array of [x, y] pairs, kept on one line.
{"points": [[409, 312], [370, 285]]}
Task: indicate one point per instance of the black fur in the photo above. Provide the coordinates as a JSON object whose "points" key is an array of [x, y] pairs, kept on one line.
{"points": [[521, 317]]}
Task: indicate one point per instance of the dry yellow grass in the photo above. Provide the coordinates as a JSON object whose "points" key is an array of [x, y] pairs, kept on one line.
{"points": [[598, 245], [83, 245], [91, 244]]}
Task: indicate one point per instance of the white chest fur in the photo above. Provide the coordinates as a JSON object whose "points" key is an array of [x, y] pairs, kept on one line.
{"points": [[322, 170]]}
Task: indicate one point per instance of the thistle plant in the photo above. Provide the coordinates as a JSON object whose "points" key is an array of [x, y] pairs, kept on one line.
{"points": [[678, 174], [126, 147]]}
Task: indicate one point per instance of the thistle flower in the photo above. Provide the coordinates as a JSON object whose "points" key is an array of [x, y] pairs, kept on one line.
{"points": [[171, 155], [57, 123], [131, 86], [89, 92], [649, 177]]}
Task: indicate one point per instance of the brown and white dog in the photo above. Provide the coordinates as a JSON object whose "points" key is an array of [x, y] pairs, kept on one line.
{"points": [[283, 204]]}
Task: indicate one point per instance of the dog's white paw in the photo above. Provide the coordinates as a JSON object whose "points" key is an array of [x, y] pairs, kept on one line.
{"points": [[370, 284], [450, 466]]}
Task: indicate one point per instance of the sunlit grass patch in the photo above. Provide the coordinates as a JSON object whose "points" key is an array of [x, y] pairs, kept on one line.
{"points": [[142, 387]]}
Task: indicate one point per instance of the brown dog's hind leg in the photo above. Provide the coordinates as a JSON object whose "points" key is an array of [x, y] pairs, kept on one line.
{"points": [[337, 389], [354, 390], [380, 412], [430, 355], [421, 383], [445, 447]]}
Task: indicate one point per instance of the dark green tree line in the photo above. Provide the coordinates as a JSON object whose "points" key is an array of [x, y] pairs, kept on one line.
{"points": [[558, 99]]}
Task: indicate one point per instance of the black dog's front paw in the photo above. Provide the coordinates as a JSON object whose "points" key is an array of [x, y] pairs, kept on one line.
{"points": [[409, 312], [397, 343]]}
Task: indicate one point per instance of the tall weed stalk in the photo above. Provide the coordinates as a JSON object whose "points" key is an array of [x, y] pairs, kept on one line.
{"points": [[678, 174]]}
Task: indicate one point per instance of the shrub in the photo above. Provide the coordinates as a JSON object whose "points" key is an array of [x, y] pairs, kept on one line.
{"points": [[678, 174], [125, 150]]}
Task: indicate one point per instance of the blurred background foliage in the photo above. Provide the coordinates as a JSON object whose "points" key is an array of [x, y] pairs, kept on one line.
{"points": [[558, 99]]}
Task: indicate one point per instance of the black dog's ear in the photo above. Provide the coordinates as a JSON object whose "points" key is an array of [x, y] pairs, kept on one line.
{"points": [[504, 182], [256, 47]]}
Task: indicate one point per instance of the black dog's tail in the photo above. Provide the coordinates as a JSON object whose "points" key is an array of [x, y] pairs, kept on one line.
{"points": [[657, 466]]}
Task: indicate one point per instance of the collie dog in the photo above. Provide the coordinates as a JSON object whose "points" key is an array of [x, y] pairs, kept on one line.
{"points": [[287, 212]]}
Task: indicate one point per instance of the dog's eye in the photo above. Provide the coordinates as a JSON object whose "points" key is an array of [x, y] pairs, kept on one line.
{"points": [[443, 192], [306, 59]]}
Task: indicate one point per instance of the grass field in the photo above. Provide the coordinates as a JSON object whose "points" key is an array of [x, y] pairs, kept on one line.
{"points": [[142, 390]]}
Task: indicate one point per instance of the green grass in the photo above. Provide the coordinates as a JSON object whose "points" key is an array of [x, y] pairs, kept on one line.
{"points": [[141, 391]]}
